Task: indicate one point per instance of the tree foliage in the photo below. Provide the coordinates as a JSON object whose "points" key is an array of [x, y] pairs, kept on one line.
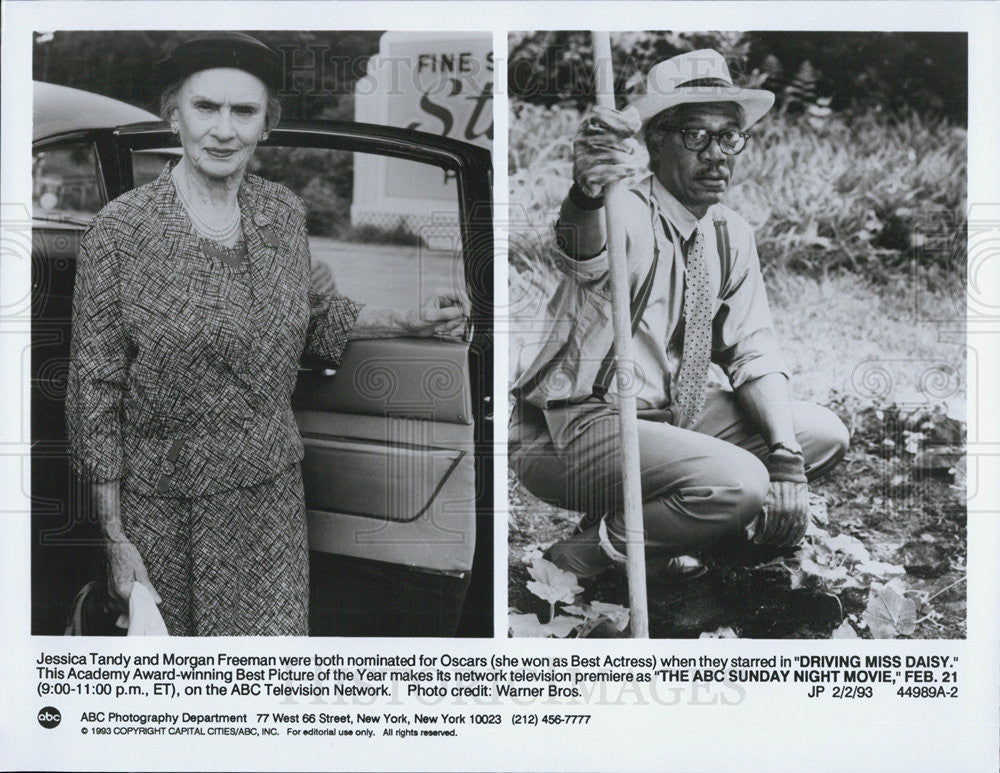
{"points": [[321, 67], [925, 72]]}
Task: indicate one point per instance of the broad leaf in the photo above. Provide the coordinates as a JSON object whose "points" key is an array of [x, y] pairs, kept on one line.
{"points": [[849, 546], [522, 625], [880, 568], [551, 593], [889, 614], [598, 627], [552, 583], [830, 574], [616, 613], [844, 631], [546, 572]]}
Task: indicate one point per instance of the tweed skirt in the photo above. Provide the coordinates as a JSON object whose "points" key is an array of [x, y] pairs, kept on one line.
{"points": [[228, 564]]}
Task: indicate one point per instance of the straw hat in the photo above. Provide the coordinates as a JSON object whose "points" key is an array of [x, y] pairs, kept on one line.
{"points": [[697, 76]]}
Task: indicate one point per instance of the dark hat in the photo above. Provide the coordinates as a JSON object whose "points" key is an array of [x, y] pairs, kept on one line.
{"points": [[221, 49]]}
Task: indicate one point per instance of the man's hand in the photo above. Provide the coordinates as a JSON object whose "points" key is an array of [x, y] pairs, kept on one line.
{"points": [[125, 568], [786, 514], [605, 149], [786, 510]]}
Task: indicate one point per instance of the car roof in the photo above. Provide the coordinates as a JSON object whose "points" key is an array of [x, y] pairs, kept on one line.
{"points": [[59, 109]]}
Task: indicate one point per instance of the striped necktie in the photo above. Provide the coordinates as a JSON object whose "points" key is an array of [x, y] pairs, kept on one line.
{"points": [[697, 351]]}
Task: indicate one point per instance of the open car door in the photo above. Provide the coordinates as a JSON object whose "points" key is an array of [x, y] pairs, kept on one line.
{"points": [[398, 438]]}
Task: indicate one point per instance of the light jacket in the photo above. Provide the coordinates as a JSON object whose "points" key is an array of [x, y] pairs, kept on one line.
{"points": [[576, 333], [182, 365]]}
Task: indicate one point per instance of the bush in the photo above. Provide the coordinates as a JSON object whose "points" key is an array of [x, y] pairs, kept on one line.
{"points": [[400, 235], [866, 192], [322, 178]]}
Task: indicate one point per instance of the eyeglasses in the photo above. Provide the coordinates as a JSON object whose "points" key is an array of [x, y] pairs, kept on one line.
{"points": [[730, 141]]}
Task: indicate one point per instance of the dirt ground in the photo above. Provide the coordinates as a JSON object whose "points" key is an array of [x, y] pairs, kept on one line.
{"points": [[900, 491]]}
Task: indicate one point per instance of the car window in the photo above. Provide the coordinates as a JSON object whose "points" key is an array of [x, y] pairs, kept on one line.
{"points": [[147, 164], [382, 231], [371, 232], [66, 183]]}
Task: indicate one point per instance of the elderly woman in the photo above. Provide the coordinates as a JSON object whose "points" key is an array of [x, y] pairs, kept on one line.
{"points": [[191, 310]]}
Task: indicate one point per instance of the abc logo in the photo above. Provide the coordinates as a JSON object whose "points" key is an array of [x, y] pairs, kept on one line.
{"points": [[49, 717]]}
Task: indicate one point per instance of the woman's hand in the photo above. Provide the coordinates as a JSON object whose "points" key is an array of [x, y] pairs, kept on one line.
{"points": [[124, 564], [443, 314], [125, 568]]}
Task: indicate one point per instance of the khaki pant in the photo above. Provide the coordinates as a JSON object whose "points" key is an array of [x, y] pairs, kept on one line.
{"points": [[699, 485]]}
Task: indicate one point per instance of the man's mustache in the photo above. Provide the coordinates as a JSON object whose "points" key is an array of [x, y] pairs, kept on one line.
{"points": [[714, 173]]}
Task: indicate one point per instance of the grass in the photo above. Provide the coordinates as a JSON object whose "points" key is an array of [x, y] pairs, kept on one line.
{"points": [[897, 343]]}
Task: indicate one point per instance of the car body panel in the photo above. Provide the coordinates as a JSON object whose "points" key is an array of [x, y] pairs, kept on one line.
{"points": [[59, 110]]}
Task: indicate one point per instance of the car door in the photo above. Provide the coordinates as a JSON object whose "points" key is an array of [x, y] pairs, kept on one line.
{"points": [[67, 191], [398, 438], [74, 166]]}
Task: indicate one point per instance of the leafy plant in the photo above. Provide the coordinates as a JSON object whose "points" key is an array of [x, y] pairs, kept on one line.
{"points": [[865, 192], [552, 584], [889, 614], [800, 92], [556, 586]]}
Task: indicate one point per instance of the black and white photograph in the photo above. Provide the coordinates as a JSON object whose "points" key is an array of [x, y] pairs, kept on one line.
{"points": [[261, 333], [507, 385], [791, 225]]}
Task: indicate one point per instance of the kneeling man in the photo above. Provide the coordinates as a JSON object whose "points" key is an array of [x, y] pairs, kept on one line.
{"points": [[722, 457]]}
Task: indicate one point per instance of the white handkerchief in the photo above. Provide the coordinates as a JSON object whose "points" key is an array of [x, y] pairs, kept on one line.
{"points": [[143, 618]]}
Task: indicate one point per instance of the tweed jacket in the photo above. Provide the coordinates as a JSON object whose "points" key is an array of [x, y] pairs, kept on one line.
{"points": [[183, 359]]}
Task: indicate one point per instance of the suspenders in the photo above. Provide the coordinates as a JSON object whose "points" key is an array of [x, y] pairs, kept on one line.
{"points": [[638, 306], [722, 239]]}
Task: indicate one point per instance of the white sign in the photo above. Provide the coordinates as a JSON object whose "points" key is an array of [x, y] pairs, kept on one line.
{"points": [[436, 82]]}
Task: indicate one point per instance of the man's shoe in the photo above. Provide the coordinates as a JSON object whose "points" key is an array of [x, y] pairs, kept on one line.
{"points": [[675, 570], [588, 552]]}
